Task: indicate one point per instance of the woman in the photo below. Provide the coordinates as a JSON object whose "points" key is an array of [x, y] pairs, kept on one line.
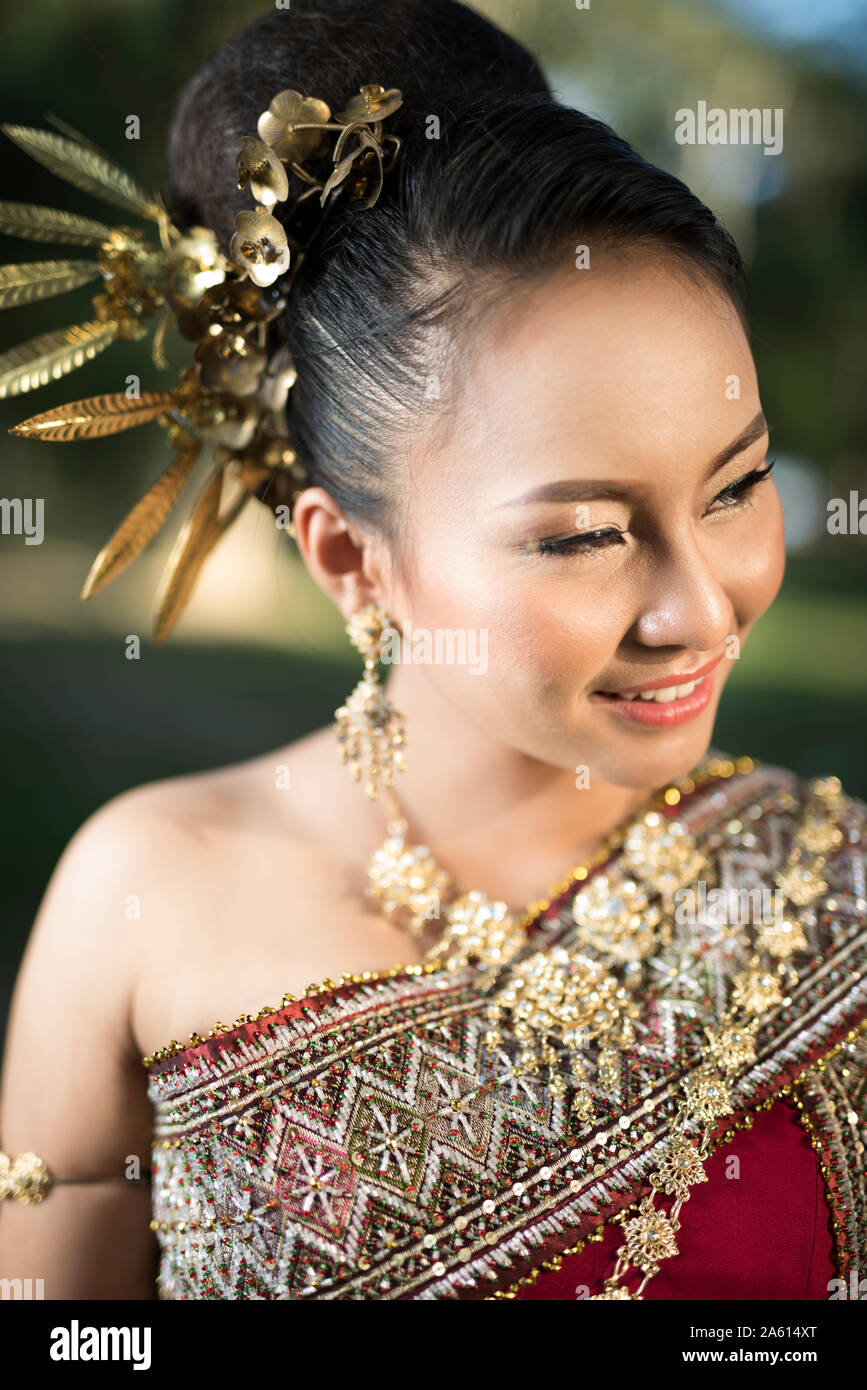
{"points": [[528, 420]]}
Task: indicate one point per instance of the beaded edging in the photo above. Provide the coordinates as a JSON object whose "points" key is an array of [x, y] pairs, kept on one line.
{"points": [[836, 1141]]}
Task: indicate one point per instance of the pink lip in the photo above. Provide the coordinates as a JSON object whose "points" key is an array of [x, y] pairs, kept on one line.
{"points": [[649, 712], [675, 678]]}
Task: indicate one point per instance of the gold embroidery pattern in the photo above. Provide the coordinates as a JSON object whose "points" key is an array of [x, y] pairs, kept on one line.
{"points": [[374, 1142]]}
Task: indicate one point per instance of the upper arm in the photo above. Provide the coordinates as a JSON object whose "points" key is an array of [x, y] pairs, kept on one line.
{"points": [[73, 1088]]}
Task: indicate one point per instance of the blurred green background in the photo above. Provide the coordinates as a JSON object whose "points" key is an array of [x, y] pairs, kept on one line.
{"points": [[260, 656]]}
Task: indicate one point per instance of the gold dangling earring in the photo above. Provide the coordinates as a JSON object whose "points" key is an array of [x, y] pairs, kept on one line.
{"points": [[371, 735], [370, 730]]}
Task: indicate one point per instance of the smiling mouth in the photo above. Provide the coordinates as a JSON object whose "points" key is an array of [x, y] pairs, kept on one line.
{"points": [[662, 703], [664, 708], [662, 696], [664, 689]]}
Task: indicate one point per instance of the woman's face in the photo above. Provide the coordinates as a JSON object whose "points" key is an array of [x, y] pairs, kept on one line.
{"points": [[581, 512]]}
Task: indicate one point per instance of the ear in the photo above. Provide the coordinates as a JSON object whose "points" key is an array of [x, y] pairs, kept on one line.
{"points": [[346, 562]]}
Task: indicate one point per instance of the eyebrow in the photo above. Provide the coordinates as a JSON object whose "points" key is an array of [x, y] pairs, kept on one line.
{"points": [[590, 489]]}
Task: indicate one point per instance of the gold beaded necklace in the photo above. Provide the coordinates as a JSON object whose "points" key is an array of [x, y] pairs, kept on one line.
{"points": [[408, 882]]}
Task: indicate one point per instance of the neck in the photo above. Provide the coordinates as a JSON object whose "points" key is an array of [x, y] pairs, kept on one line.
{"points": [[478, 802]]}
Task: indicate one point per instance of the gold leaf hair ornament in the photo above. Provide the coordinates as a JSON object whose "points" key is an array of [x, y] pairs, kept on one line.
{"points": [[231, 400]]}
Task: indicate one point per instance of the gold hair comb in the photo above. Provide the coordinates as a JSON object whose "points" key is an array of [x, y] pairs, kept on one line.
{"points": [[232, 397]]}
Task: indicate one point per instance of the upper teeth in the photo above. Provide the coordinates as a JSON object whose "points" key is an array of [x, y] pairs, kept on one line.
{"points": [[663, 695]]}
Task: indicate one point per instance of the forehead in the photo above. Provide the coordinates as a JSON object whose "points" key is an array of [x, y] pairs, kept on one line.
{"points": [[621, 366]]}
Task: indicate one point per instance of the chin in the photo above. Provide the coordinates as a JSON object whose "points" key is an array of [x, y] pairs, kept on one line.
{"points": [[650, 758]]}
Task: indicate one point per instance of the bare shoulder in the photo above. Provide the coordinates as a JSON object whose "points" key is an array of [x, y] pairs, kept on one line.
{"points": [[241, 884], [71, 1091], [302, 779], [176, 904], [160, 829], [148, 871]]}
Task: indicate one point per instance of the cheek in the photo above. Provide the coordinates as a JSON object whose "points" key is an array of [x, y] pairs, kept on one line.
{"points": [[572, 615], [546, 626], [755, 567]]}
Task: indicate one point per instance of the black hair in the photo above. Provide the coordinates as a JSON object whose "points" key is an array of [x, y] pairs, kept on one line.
{"points": [[495, 183]]}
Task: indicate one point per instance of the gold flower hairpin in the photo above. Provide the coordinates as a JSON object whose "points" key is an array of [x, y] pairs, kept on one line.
{"points": [[232, 398]]}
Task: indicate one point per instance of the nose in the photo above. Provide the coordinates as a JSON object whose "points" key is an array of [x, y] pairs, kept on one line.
{"points": [[683, 602]]}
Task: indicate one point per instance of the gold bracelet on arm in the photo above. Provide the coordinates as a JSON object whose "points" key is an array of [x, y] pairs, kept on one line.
{"points": [[29, 1178], [26, 1177]]}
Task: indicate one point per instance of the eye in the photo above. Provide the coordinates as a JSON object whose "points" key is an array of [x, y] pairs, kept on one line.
{"points": [[578, 543], [737, 492], [583, 542]]}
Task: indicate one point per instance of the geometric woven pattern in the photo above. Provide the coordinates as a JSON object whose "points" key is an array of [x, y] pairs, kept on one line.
{"points": [[366, 1142]]}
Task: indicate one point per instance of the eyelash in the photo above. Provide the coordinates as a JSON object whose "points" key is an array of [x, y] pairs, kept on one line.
{"points": [[596, 540]]}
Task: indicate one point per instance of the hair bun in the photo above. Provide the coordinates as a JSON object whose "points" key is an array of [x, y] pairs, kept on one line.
{"points": [[435, 51]]}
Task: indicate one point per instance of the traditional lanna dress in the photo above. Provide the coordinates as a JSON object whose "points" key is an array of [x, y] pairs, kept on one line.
{"points": [[657, 1090]]}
